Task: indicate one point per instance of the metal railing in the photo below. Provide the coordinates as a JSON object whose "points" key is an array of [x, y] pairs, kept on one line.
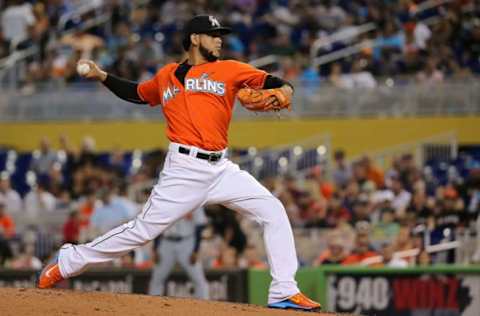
{"points": [[80, 8], [90, 101], [340, 35], [390, 100], [442, 147], [295, 159]]}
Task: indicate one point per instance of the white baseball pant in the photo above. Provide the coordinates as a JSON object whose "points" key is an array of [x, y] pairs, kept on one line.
{"points": [[185, 184]]}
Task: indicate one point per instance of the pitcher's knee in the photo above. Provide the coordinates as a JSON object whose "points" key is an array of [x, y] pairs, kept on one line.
{"points": [[275, 211]]}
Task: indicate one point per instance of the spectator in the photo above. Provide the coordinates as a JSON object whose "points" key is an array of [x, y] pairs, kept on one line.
{"points": [[374, 173], [420, 208], [401, 197], [228, 259], [317, 183], [336, 212], [476, 254], [26, 259], [71, 229], [362, 250], [335, 252], [40, 30], [389, 259], [122, 198], [87, 206], [450, 217], [359, 77], [421, 32], [360, 175], [331, 16], [4, 45], [386, 228], [389, 43], [110, 214], [39, 201], [423, 259], [44, 158], [312, 211], [83, 42], [5, 250], [118, 164], [342, 172], [17, 21], [451, 213], [336, 77], [251, 258], [11, 198], [404, 241], [309, 78], [430, 74], [361, 209], [225, 224], [87, 155], [7, 225], [56, 180]]}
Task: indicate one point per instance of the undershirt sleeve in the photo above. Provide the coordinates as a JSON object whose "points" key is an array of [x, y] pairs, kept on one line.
{"points": [[123, 88], [273, 82]]}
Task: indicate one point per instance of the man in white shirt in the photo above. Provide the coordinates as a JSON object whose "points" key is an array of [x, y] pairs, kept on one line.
{"points": [[389, 259], [401, 198], [39, 201], [11, 198], [44, 158], [122, 198], [16, 21], [110, 214]]}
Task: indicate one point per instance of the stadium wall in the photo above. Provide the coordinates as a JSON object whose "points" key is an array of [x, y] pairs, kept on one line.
{"points": [[356, 135], [434, 290]]}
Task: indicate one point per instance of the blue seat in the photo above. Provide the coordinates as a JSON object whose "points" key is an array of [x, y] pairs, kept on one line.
{"points": [[3, 159], [19, 177]]}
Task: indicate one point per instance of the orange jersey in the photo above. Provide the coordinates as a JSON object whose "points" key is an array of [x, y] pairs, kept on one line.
{"points": [[199, 111], [7, 225]]}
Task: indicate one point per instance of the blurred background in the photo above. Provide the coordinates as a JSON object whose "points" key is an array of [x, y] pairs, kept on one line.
{"points": [[378, 165]]}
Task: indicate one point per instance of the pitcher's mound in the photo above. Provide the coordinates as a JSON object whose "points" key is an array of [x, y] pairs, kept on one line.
{"points": [[36, 302]]}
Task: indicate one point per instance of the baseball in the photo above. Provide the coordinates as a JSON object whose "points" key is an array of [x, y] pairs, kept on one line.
{"points": [[83, 69]]}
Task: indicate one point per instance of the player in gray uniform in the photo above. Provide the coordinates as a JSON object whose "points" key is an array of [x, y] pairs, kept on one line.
{"points": [[180, 244]]}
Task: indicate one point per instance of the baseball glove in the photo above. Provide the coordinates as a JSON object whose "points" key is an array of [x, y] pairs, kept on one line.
{"points": [[264, 100]]}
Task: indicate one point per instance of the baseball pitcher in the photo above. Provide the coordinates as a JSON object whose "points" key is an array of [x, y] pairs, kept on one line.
{"points": [[197, 98]]}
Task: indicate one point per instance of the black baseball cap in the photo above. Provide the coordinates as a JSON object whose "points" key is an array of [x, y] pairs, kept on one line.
{"points": [[202, 24]]}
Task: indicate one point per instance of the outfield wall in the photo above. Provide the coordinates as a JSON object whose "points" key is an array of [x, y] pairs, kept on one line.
{"points": [[429, 291], [355, 135]]}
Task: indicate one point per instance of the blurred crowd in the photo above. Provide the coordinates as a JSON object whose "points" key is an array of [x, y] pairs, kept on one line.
{"points": [[365, 214], [374, 212], [427, 40]]}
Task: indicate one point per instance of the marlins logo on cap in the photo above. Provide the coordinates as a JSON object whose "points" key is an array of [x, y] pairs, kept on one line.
{"points": [[213, 21], [203, 24]]}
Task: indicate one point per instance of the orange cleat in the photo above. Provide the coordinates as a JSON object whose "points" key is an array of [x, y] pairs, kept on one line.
{"points": [[299, 302], [50, 276]]}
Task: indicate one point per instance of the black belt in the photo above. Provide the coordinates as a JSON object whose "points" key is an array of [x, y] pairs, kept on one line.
{"points": [[212, 157]]}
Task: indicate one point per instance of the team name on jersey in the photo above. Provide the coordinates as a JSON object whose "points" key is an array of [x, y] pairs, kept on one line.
{"points": [[203, 84], [169, 93]]}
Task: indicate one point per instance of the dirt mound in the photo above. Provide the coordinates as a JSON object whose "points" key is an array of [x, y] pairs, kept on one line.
{"points": [[27, 302]]}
